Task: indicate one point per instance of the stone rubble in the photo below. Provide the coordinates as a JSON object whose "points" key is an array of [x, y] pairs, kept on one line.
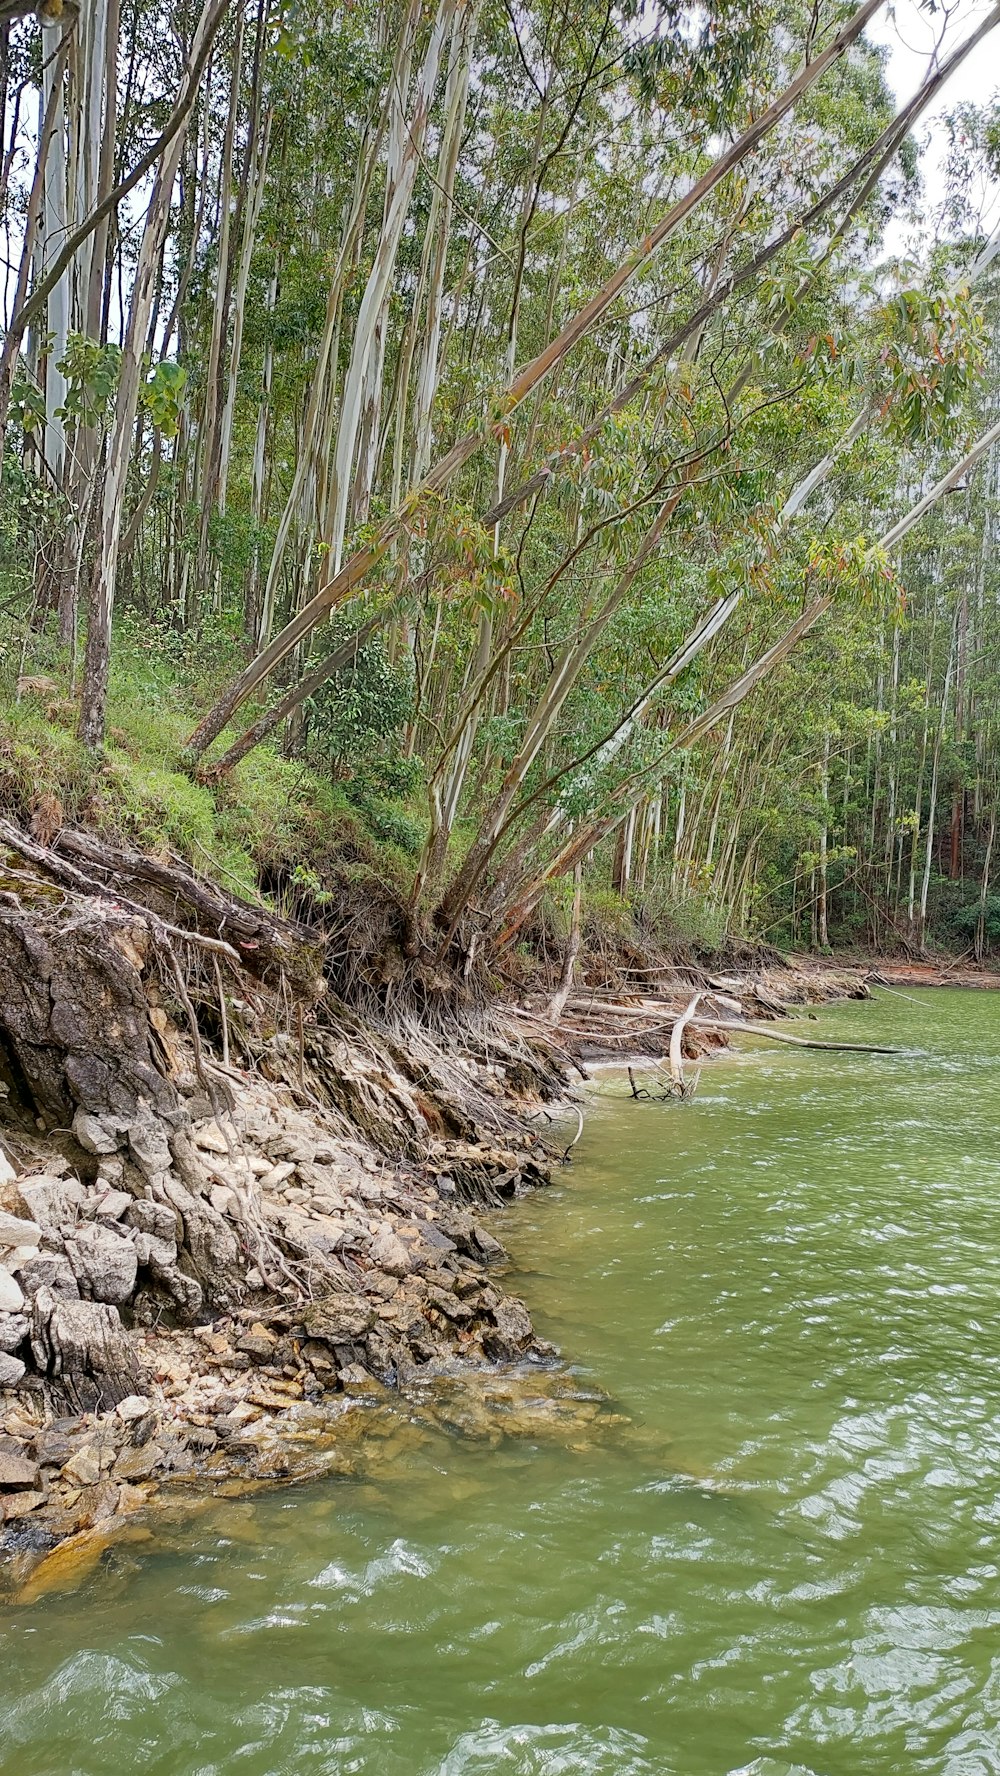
{"points": [[369, 1277]]}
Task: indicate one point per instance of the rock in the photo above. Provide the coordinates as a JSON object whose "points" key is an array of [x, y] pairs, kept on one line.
{"points": [[434, 1237], [99, 1134], [137, 1464], [16, 1256], [389, 1253], [224, 1200], [11, 1370], [16, 1469], [449, 1304], [490, 1249], [151, 1217], [339, 1319], [201, 1438], [53, 1203], [513, 1329], [7, 1172], [112, 1205], [152, 1252], [84, 1466], [104, 1263], [84, 1346], [20, 1504], [210, 1138], [149, 1146], [16, 1232], [13, 1331], [53, 1448], [133, 1407], [11, 1293], [277, 1175], [51, 1270]]}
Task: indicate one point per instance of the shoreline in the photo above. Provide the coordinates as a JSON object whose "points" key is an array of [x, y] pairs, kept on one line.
{"points": [[277, 1385]]}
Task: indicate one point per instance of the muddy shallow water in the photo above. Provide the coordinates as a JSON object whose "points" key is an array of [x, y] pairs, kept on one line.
{"points": [[778, 1554]]}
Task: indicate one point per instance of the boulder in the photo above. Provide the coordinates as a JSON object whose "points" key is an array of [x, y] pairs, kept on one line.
{"points": [[84, 1466], [111, 1205], [54, 1203], [84, 1349], [50, 1270], [11, 1370], [11, 1293], [210, 1138], [137, 1464], [99, 1134], [339, 1319], [13, 1331], [152, 1252], [104, 1263], [133, 1407], [16, 1469], [388, 1252], [512, 1332], [14, 1231], [53, 1448], [147, 1141], [20, 1504], [153, 1217]]}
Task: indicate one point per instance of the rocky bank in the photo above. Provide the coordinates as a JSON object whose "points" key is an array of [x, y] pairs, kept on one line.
{"points": [[121, 1373]]}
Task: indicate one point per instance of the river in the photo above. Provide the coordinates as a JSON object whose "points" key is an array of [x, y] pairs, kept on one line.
{"points": [[782, 1561]]}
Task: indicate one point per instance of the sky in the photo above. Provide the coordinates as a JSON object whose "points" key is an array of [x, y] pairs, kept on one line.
{"points": [[912, 32]]}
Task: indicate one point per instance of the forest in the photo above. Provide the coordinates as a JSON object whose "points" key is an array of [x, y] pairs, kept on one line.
{"points": [[493, 472], [499, 611]]}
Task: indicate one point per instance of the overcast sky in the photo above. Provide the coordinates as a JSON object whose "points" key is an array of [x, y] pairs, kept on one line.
{"points": [[912, 33]]}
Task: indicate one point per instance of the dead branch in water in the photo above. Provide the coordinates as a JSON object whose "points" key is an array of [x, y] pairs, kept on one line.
{"points": [[632, 1023], [676, 1051]]}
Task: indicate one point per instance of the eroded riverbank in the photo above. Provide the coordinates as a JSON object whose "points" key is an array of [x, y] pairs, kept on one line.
{"points": [[199, 1300], [781, 1556]]}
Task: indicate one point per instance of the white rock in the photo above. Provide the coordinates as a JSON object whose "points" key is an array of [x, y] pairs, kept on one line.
{"points": [[389, 1253], [52, 1201], [104, 1263], [7, 1172], [132, 1407], [112, 1204], [18, 1255], [15, 1231], [11, 1294], [277, 1175], [11, 1370], [210, 1138]]}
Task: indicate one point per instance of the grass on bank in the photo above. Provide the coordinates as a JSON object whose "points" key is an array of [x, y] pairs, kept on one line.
{"points": [[276, 827], [270, 818]]}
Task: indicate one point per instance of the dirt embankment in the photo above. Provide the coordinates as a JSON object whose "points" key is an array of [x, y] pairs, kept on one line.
{"points": [[228, 1208], [232, 1214]]}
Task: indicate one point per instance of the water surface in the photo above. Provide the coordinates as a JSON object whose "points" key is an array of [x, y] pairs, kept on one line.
{"points": [[784, 1564]]}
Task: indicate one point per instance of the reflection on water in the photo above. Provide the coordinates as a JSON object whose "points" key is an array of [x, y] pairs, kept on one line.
{"points": [[778, 1558]]}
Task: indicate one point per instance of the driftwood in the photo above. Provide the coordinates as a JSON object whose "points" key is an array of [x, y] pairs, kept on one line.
{"points": [[752, 1028], [676, 1051], [655, 1021]]}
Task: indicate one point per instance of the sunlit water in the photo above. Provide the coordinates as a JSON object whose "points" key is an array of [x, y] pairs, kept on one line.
{"points": [[785, 1564]]}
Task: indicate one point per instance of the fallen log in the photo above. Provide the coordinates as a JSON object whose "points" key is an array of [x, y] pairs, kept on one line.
{"points": [[655, 1023], [748, 1028]]}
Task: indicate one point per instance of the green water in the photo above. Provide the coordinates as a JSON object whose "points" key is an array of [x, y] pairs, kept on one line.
{"points": [[785, 1564]]}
